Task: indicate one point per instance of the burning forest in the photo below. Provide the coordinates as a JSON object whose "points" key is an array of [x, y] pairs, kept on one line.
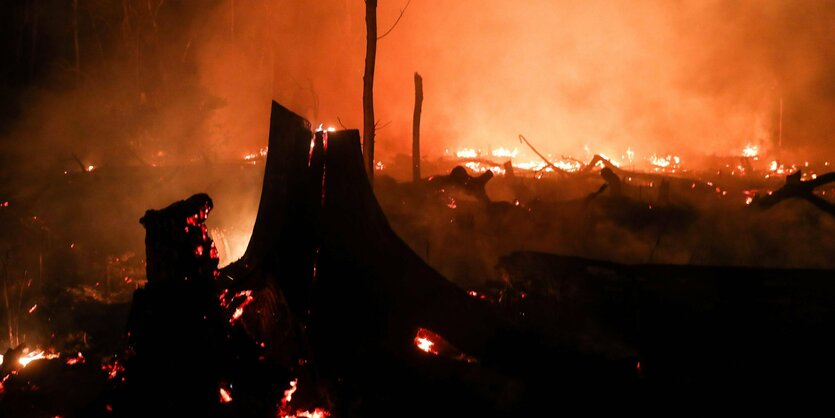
{"points": [[419, 208]]}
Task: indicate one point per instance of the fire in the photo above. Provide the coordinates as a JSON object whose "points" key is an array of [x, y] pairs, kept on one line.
{"points": [[225, 396], [32, 309], [113, 369], [502, 152], [288, 394], [226, 301], [285, 411], [262, 153], [76, 360], [424, 344], [467, 153], [750, 151], [670, 161], [24, 360]]}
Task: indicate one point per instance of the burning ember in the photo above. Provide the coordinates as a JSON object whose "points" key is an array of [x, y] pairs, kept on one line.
{"points": [[750, 151], [285, 410], [240, 300], [225, 396], [31, 356], [432, 343]]}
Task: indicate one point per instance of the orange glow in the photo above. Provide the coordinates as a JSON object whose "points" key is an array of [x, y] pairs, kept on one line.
{"points": [[285, 410], [76, 360], [31, 356], [225, 396], [425, 344]]}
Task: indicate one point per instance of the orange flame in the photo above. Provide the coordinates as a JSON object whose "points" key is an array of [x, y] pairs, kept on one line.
{"points": [[225, 396]]}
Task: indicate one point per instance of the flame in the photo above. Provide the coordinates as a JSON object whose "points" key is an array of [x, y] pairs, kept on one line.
{"points": [[90, 168], [288, 394], [24, 360], [750, 151], [502, 152], [425, 344], [76, 360], [467, 153], [262, 153], [285, 410], [32, 309], [113, 369], [225, 396]]}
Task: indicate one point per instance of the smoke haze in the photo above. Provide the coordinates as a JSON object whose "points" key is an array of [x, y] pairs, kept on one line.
{"points": [[162, 82]]}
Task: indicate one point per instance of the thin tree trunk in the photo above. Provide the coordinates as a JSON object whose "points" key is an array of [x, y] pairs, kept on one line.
{"points": [[368, 86], [75, 38], [34, 44], [416, 128]]}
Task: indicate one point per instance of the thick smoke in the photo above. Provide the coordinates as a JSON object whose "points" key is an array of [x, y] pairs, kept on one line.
{"points": [[164, 82]]}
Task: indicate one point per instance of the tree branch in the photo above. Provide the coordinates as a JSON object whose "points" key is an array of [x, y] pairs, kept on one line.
{"points": [[403, 10]]}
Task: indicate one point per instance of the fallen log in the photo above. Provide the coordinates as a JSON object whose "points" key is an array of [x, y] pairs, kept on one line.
{"points": [[795, 188], [689, 326]]}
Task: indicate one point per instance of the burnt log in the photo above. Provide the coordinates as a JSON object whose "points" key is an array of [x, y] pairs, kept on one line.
{"points": [[795, 188], [459, 179], [690, 327]]}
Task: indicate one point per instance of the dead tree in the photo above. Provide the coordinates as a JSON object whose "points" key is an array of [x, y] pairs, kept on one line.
{"points": [[795, 188], [368, 133], [416, 128]]}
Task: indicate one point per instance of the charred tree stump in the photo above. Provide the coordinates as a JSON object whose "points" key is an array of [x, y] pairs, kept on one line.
{"points": [[357, 294], [175, 328]]}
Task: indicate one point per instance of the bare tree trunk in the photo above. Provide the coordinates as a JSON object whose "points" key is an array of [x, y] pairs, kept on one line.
{"points": [[416, 128], [34, 44], [75, 38], [368, 86]]}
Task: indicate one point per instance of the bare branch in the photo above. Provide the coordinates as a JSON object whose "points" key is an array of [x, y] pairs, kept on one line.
{"points": [[403, 10]]}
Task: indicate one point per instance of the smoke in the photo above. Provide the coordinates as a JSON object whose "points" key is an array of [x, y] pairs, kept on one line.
{"points": [[164, 82]]}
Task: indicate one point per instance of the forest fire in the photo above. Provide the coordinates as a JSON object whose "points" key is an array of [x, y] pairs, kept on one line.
{"points": [[519, 206]]}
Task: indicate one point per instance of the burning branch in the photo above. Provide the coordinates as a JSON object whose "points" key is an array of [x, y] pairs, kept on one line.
{"points": [[549, 163]]}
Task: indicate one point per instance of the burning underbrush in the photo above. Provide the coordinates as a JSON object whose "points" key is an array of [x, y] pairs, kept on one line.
{"points": [[326, 312]]}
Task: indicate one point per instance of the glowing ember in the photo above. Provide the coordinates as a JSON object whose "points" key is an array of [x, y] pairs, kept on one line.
{"points": [[225, 396], [90, 168], [288, 394], [262, 153], [750, 151], [285, 410], [226, 301], [113, 369], [76, 360], [32, 309]]}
